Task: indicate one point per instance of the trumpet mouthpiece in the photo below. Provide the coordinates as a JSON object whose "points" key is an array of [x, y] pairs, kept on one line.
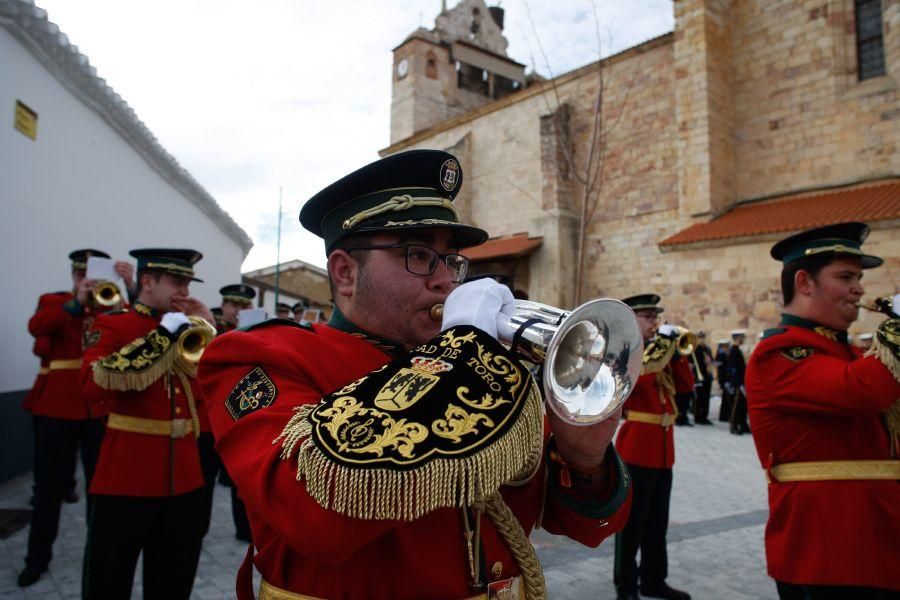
{"points": [[437, 312]]}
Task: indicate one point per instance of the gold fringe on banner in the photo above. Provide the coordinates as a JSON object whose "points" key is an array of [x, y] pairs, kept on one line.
{"points": [[132, 370], [406, 495], [657, 354], [885, 347]]}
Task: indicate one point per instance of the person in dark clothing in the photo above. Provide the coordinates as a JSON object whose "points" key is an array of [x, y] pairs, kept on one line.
{"points": [[722, 378], [736, 366], [701, 362]]}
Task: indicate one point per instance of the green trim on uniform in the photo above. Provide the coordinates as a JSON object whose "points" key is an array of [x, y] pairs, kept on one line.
{"points": [[341, 323], [594, 509], [818, 328], [74, 307], [773, 331], [276, 321]]}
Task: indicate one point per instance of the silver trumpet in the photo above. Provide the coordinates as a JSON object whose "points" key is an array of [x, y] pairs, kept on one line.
{"points": [[591, 355]]}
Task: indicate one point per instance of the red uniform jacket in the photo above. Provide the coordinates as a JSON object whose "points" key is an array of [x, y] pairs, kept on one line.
{"points": [[139, 464], [648, 444], [62, 321], [812, 398], [41, 349], [307, 549]]}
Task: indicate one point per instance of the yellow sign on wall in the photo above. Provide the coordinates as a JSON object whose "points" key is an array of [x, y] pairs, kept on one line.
{"points": [[26, 120]]}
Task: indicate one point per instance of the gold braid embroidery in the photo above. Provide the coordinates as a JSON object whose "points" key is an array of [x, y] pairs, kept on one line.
{"points": [[398, 203]]}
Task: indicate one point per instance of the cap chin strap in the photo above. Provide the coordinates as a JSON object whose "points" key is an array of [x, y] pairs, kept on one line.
{"points": [[396, 204]]}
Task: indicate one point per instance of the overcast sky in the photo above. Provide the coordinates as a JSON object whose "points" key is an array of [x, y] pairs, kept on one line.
{"points": [[253, 96]]}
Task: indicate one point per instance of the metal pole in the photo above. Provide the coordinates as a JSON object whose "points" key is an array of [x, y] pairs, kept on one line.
{"points": [[278, 252]]}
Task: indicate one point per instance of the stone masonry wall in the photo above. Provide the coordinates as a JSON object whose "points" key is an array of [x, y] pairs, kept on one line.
{"points": [[788, 110], [803, 119]]}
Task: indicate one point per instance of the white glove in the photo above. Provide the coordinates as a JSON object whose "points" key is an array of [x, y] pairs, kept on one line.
{"points": [[895, 303], [478, 303], [667, 330], [173, 321]]}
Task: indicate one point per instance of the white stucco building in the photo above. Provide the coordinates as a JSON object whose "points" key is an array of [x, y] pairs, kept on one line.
{"points": [[79, 169]]}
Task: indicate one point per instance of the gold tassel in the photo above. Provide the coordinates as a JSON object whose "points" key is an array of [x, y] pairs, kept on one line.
{"points": [[885, 355], [408, 495]]}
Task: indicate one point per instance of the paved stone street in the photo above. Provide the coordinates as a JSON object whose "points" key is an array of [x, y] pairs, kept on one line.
{"points": [[715, 538]]}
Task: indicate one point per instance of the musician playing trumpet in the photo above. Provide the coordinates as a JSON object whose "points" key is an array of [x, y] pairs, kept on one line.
{"points": [[64, 419], [646, 443], [148, 486], [412, 455], [825, 425]]}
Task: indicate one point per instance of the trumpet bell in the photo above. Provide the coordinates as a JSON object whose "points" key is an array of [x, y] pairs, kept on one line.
{"points": [[592, 356], [686, 341], [194, 340], [106, 293], [593, 361]]}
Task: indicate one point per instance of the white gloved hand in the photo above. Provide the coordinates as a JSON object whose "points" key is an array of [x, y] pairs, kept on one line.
{"points": [[667, 330], [478, 303], [172, 321], [895, 303]]}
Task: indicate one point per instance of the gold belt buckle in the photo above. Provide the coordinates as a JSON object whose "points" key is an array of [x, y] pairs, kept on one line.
{"points": [[179, 428]]}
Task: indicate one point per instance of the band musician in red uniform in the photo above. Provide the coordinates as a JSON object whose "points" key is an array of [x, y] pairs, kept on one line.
{"points": [[825, 423], [646, 442], [148, 486], [410, 461], [64, 419]]}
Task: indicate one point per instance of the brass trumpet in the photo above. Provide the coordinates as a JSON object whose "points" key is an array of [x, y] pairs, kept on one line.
{"points": [[883, 305], [686, 340], [106, 293], [195, 339]]}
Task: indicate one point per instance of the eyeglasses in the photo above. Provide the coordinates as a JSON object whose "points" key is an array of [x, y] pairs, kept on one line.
{"points": [[422, 260]]}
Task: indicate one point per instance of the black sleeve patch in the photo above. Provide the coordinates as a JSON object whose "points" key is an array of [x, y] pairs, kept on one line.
{"points": [[253, 392], [797, 353]]}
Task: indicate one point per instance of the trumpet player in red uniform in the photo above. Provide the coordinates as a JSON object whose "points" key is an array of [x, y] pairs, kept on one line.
{"points": [[148, 486], [825, 424], [64, 418], [646, 442], [411, 459]]}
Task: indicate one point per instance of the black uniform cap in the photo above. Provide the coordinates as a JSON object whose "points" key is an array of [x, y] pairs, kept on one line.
{"points": [[282, 306], [406, 191], [238, 292], [840, 239], [643, 302], [297, 307], [79, 257], [176, 261]]}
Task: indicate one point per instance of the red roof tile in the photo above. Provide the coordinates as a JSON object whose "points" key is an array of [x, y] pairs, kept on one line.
{"points": [[510, 246], [867, 202]]}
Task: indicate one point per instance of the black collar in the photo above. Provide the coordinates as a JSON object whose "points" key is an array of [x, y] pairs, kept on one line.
{"points": [[831, 334], [341, 323]]}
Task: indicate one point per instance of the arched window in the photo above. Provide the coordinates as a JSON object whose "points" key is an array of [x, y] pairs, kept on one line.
{"points": [[431, 65], [869, 39]]}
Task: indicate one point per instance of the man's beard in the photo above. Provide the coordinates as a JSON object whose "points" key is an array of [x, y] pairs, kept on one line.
{"points": [[375, 302]]}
